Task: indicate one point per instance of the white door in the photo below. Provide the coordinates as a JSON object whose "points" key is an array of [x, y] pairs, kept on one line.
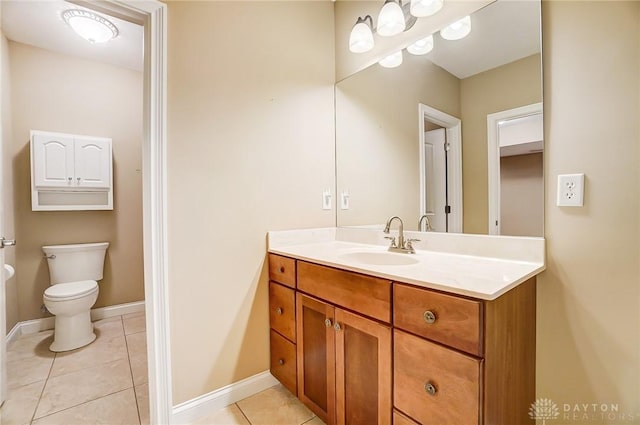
{"points": [[435, 178], [52, 160], [3, 306], [93, 163]]}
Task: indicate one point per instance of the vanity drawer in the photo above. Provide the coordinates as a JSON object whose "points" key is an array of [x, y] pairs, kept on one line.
{"points": [[367, 295], [282, 270], [283, 361], [282, 310], [434, 384], [400, 419], [448, 319]]}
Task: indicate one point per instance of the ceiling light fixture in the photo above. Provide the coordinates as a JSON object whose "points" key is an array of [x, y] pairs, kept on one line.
{"points": [[90, 26], [422, 8], [457, 30], [391, 19], [361, 37], [392, 61], [422, 46]]}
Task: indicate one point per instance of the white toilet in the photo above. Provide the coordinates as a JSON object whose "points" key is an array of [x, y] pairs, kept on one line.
{"points": [[73, 271]]}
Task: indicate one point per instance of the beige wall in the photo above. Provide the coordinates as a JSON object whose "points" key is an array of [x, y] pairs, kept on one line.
{"points": [[250, 149], [54, 92], [588, 328], [11, 289], [509, 86], [522, 195], [377, 149]]}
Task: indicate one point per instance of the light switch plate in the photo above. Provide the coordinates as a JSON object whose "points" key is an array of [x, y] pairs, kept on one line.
{"points": [[570, 190], [326, 199], [344, 200]]}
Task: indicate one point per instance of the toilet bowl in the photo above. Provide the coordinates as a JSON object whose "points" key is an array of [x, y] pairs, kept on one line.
{"points": [[74, 271]]}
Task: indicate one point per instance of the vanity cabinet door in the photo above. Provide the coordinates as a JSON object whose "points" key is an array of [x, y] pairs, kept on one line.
{"points": [[363, 370], [316, 356]]}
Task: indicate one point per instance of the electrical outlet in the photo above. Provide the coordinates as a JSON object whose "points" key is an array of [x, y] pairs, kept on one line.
{"points": [[570, 190]]}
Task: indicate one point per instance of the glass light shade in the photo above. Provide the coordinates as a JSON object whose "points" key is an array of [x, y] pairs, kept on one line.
{"points": [[422, 8], [457, 30], [90, 26], [361, 38], [392, 61], [421, 47], [391, 19]]}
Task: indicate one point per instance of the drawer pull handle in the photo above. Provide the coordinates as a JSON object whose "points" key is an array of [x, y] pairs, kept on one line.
{"points": [[279, 310], [281, 362], [429, 316], [430, 388], [281, 269], [337, 327], [328, 323]]}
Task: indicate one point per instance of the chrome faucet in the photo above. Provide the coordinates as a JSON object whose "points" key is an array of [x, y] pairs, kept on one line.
{"points": [[425, 218], [402, 245]]}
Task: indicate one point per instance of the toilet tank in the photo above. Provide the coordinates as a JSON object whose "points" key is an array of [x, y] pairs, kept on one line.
{"points": [[70, 263]]}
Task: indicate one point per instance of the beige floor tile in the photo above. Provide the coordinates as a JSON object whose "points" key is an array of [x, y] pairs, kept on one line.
{"points": [[108, 328], [273, 406], [134, 324], [79, 387], [142, 397], [29, 370], [21, 404], [30, 345], [114, 409], [230, 415], [137, 346], [315, 421], [102, 350]]}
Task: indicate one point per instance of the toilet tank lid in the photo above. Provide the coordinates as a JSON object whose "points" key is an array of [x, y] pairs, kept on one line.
{"points": [[71, 289], [75, 247]]}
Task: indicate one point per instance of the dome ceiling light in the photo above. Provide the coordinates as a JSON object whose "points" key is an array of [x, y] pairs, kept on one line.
{"points": [[90, 26]]}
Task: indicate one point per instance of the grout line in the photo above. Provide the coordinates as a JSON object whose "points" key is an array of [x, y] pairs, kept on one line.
{"points": [[241, 412], [78, 405], [46, 381], [135, 392]]}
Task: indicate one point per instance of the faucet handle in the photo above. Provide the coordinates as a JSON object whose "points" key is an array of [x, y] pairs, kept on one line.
{"points": [[392, 239], [409, 242]]}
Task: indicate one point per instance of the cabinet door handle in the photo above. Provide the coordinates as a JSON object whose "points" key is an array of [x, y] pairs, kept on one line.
{"points": [[279, 310], [327, 323], [430, 388], [281, 269], [429, 316], [70, 178], [337, 327], [281, 362]]}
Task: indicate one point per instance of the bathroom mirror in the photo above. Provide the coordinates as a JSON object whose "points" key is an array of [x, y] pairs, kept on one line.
{"points": [[460, 126]]}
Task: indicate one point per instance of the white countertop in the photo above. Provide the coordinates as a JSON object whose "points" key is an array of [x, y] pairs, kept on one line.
{"points": [[478, 266]]}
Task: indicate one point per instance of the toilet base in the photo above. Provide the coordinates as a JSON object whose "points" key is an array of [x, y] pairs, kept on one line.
{"points": [[72, 332]]}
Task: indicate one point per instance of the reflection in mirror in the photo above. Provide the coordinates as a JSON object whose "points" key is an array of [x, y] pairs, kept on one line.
{"points": [[400, 152]]}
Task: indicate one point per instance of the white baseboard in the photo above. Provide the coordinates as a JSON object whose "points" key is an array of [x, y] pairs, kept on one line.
{"points": [[206, 404], [47, 323]]}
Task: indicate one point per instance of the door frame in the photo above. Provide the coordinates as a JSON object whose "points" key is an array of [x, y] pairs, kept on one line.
{"points": [[493, 151], [453, 128]]}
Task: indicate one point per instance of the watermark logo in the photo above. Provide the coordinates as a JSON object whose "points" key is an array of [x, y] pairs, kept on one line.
{"points": [[544, 408]]}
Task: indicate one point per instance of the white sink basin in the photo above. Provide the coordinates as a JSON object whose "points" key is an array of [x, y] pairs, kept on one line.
{"points": [[379, 258]]}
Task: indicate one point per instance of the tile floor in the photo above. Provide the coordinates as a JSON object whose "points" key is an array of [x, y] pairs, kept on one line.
{"points": [[106, 383]]}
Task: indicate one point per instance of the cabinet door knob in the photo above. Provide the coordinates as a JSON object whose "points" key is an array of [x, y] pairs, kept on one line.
{"points": [[430, 388], [78, 178], [327, 323], [281, 269], [70, 178], [337, 327], [281, 362], [429, 316], [279, 310]]}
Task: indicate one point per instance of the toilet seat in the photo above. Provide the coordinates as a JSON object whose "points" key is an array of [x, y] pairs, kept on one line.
{"points": [[71, 290]]}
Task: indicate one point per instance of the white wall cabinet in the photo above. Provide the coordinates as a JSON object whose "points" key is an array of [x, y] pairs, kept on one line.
{"points": [[70, 172]]}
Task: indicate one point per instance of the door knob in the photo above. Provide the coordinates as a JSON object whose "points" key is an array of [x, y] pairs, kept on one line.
{"points": [[7, 242]]}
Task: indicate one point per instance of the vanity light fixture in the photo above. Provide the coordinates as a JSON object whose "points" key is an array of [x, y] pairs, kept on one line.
{"points": [[457, 30], [90, 26], [422, 8], [361, 38], [391, 19], [422, 46], [392, 61]]}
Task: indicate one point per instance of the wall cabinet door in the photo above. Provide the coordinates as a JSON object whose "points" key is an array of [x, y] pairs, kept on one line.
{"points": [[53, 160], [316, 356], [363, 370], [92, 163]]}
